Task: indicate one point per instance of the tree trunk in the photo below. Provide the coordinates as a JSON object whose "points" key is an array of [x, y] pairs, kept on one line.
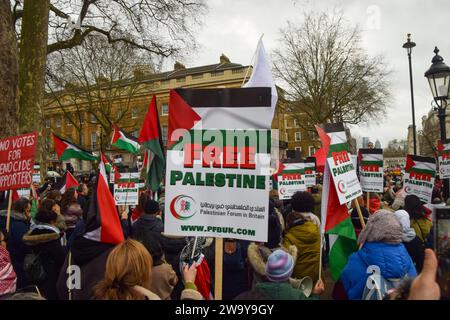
{"points": [[9, 73], [32, 59]]}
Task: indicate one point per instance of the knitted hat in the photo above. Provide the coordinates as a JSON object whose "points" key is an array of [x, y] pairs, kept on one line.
{"points": [[151, 207], [280, 266]]}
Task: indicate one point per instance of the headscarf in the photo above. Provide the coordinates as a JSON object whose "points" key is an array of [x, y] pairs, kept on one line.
{"points": [[382, 226], [8, 278], [403, 217]]}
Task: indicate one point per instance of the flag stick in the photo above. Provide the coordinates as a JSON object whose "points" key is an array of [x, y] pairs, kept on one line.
{"points": [[218, 269], [251, 61], [320, 254], [358, 208], [368, 202], [193, 248], [8, 217]]}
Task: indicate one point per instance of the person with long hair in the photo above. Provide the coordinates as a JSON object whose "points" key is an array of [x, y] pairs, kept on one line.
{"points": [[129, 272], [71, 210]]}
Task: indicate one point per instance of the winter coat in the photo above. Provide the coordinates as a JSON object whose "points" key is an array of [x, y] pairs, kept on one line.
{"points": [[282, 291], [149, 223], [83, 201], [392, 259], [416, 251], [422, 227], [72, 214], [235, 275], [45, 240], [19, 226], [305, 235], [90, 256], [317, 204], [164, 279]]}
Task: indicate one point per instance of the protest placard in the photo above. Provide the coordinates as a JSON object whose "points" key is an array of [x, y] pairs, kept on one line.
{"points": [[126, 193], [16, 161], [419, 177], [291, 180], [371, 170], [310, 172], [218, 163]]}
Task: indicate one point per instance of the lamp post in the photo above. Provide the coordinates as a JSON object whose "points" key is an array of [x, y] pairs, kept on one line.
{"points": [[438, 76], [408, 45]]}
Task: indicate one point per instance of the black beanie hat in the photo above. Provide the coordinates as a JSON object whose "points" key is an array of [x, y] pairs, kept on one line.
{"points": [[151, 207]]}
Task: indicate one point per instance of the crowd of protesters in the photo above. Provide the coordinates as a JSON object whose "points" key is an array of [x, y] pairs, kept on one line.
{"points": [[46, 237]]}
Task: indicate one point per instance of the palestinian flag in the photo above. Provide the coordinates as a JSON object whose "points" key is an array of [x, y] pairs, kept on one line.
{"points": [[124, 141], [279, 168], [67, 150], [421, 165], [67, 182], [444, 148], [370, 159], [150, 138], [108, 165], [336, 221], [103, 223]]}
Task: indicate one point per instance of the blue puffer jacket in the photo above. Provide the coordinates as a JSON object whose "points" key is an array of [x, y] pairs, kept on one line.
{"points": [[392, 259]]}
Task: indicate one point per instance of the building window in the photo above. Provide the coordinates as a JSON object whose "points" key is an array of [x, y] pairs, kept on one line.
{"points": [[235, 71], [82, 140], [92, 118], [298, 136], [119, 114], [58, 121], [217, 74], [183, 79], [299, 149], [286, 136], [312, 150], [134, 113], [94, 140], [197, 76], [296, 123], [81, 118], [164, 109], [69, 120], [48, 122], [164, 133]]}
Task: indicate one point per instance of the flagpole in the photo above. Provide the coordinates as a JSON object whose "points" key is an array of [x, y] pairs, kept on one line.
{"points": [[8, 217], [251, 61], [218, 269], [368, 202], [358, 209]]}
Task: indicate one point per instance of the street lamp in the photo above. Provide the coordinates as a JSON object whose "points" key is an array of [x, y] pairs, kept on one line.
{"points": [[408, 45], [438, 76]]}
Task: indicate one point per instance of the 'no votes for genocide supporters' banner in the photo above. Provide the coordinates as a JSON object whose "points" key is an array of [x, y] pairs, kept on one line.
{"points": [[371, 169], [218, 163], [341, 166], [419, 177], [17, 161], [291, 180]]}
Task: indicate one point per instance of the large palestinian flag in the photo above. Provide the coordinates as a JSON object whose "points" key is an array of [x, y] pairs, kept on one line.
{"points": [[67, 181], [103, 222], [336, 219], [67, 150], [150, 138], [122, 140], [419, 177], [371, 169]]}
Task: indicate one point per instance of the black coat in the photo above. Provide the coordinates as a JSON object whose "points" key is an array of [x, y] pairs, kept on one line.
{"points": [[47, 244], [149, 223], [416, 251]]}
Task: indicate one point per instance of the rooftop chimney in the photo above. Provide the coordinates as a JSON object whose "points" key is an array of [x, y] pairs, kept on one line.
{"points": [[224, 59], [178, 66]]}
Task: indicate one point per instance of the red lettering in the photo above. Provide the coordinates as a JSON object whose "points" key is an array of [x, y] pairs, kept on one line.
{"points": [[248, 158], [211, 154], [230, 157], [191, 153]]}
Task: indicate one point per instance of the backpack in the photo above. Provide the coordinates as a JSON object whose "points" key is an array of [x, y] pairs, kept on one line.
{"points": [[377, 287], [34, 268]]}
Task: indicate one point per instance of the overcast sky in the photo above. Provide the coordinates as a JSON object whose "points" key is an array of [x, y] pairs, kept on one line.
{"points": [[233, 27]]}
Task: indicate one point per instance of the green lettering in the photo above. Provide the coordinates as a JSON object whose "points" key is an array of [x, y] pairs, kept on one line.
{"points": [[231, 177], [198, 179], [249, 181], [209, 179], [260, 182], [220, 179], [188, 179], [175, 176]]}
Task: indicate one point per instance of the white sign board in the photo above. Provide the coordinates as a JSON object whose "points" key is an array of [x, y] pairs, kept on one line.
{"points": [[126, 193], [291, 180]]}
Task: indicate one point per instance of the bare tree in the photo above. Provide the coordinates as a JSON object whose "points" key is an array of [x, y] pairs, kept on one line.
{"points": [[161, 27], [327, 75], [9, 72], [98, 80]]}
